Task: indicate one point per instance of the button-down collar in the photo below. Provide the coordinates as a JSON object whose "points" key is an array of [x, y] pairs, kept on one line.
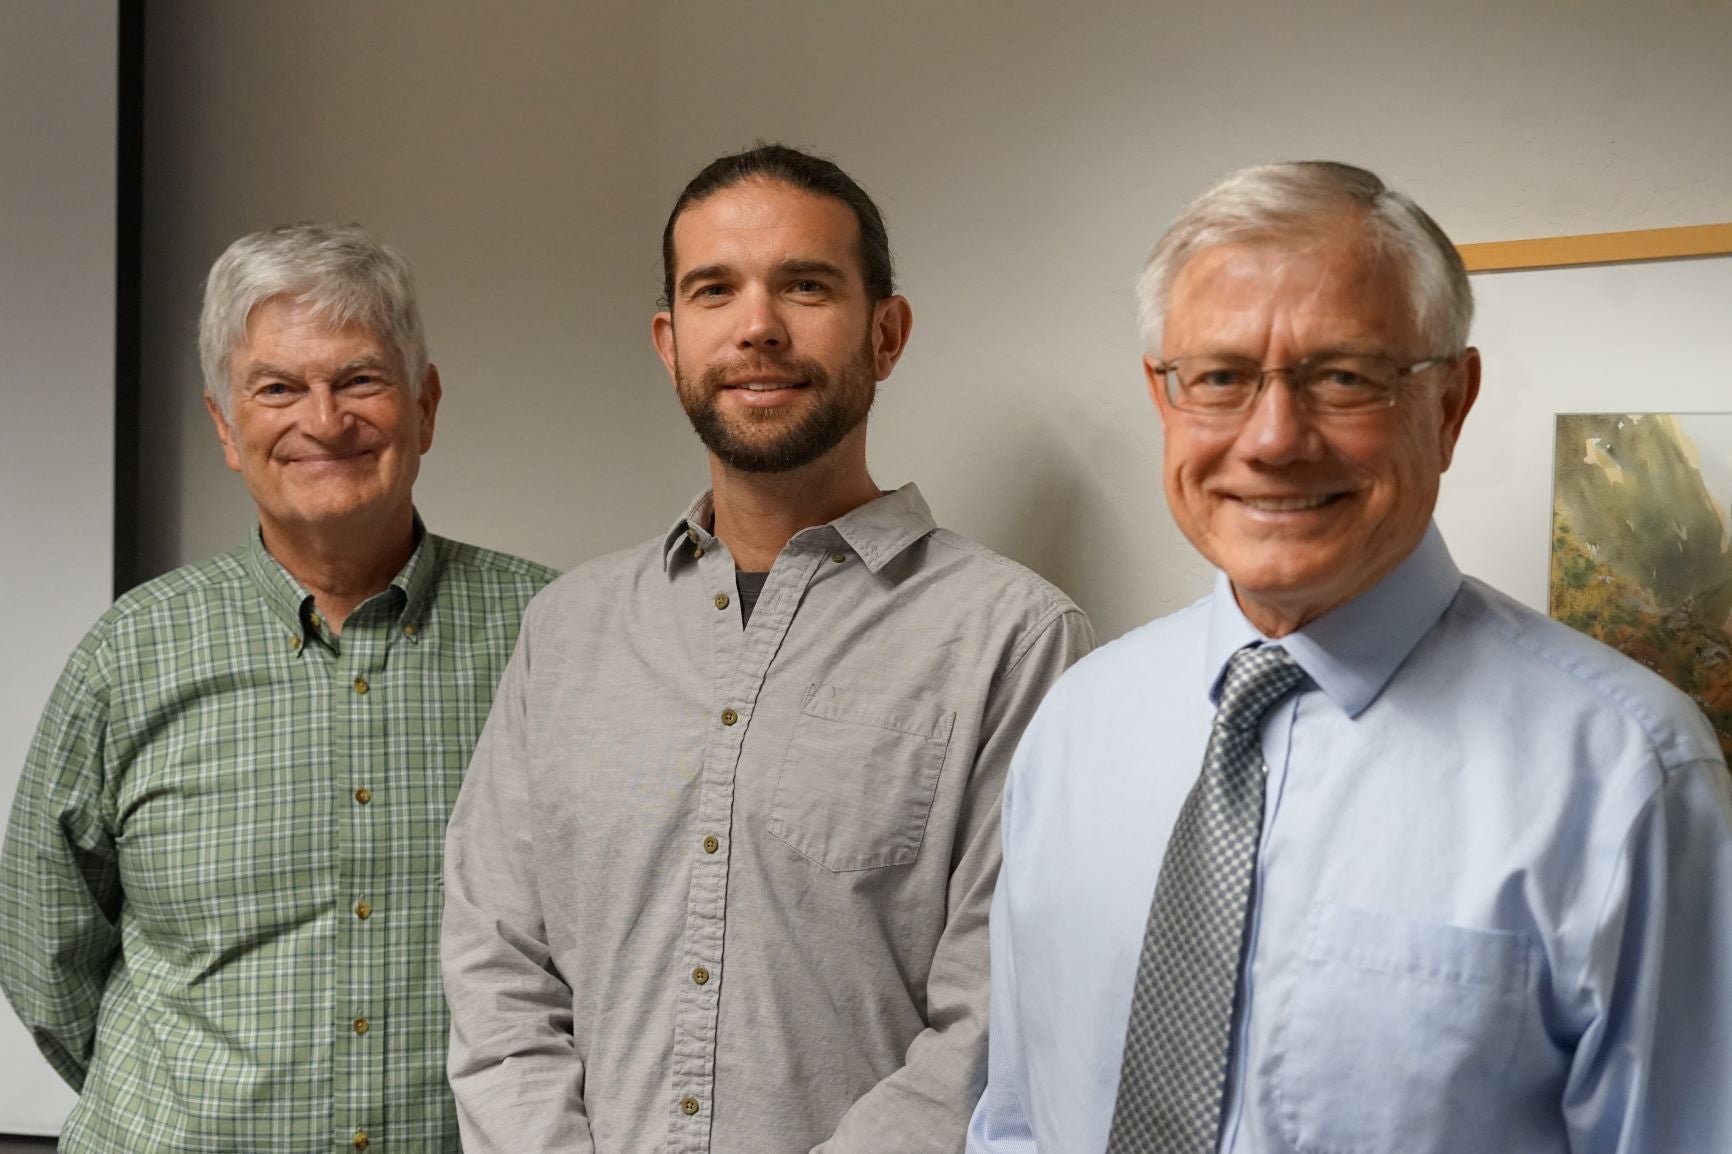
{"points": [[877, 531], [415, 579], [290, 603], [1352, 651], [285, 597]]}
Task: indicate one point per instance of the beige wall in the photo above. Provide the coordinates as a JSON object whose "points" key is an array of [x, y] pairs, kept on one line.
{"points": [[505, 149], [1026, 154], [57, 263]]}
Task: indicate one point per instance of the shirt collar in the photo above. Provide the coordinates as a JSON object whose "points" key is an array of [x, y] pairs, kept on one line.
{"points": [[415, 579], [289, 602], [1352, 651], [284, 596], [690, 529], [877, 531]]}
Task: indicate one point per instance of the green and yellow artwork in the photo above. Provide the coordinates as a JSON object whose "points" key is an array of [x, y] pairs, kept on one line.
{"points": [[1642, 545]]}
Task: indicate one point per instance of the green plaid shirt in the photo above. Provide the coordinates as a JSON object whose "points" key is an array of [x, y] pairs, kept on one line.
{"points": [[219, 895]]}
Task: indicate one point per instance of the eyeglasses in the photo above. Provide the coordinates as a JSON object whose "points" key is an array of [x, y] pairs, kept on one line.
{"points": [[1327, 383]]}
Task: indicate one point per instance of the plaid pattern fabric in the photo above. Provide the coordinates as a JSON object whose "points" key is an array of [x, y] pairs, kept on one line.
{"points": [[219, 895], [1175, 1063]]}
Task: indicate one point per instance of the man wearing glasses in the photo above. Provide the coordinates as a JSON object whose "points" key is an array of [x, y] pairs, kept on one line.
{"points": [[1451, 877]]}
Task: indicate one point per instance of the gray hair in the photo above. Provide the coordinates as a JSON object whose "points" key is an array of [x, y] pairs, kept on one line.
{"points": [[1292, 201], [337, 270]]}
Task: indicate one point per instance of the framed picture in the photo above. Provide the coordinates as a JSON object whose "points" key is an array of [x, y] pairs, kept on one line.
{"points": [[1641, 552]]}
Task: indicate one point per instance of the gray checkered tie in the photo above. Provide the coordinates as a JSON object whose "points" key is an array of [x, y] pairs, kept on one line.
{"points": [[1175, 1065]]}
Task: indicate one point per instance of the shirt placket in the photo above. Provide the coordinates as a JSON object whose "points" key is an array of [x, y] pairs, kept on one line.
{"points": [[1277, 749], [359, 699], [741, 662]]}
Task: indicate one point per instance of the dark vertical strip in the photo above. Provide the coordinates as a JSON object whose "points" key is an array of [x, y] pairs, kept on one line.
{"points": [[128, 236]]}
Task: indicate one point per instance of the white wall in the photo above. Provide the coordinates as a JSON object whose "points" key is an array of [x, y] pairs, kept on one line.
{"points": [[1028, 154], [1643, 338], [505, 149], [57, 265]]}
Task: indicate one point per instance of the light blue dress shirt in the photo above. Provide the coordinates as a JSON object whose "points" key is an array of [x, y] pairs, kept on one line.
{"points": [[1493, 903]]}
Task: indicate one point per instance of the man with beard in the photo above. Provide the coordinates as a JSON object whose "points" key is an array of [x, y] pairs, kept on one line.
{"points": [[719, 874]]}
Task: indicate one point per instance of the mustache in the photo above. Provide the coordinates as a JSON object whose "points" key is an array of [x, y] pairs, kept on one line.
{"points": [[718, 374]]}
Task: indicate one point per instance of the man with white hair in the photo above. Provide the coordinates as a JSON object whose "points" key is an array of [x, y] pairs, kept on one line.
{"points": [[1452, 877], [219, 896]]}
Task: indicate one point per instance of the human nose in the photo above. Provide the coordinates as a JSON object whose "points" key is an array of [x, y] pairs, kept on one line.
{"points": [[761, 324], [323, 416], [1279, 427]]}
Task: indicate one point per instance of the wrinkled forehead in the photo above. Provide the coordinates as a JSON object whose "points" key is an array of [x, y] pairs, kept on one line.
{"points": [[295, 325], [1340, 284], [309, 316]]}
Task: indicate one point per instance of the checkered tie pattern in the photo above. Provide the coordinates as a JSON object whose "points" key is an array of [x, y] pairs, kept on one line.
{"points": [[1175, 1065]]}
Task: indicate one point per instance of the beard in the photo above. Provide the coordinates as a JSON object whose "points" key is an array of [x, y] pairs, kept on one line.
{"points": [[775, 441]]}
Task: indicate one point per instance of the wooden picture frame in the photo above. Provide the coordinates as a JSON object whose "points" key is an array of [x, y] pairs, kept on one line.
{"points": [[1598, 248]]}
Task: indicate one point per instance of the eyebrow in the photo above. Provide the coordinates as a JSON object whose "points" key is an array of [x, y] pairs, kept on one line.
{"points": [[259, 370], [808, 267], [702, 272], [376, 364], [786, 268]]}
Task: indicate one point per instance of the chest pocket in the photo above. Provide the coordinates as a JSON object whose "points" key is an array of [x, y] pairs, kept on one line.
{"points": [[1377, 993], [857, 783]]}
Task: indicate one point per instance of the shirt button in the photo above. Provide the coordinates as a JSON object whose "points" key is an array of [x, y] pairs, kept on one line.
{"points": [[360, 1140], [692, 536], [711, 844], [838, 557], [361, 1026], [363, 910], [689, 1107], [698, 552], [701, 976], [729, 717], [314, 618], [363, 795], [360, 685], [409, 630], [721, 601], [294, 643]]}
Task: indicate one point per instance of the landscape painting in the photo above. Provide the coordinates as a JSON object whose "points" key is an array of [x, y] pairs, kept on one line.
{"points": [[1642, 545]]}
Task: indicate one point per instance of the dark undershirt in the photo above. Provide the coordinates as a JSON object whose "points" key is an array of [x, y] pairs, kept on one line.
{"points": [[749, 586]]}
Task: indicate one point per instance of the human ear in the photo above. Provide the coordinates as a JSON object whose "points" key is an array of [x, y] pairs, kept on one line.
{"points": [[230, 453], [1460, 391], [662, 336], [892, 321]]}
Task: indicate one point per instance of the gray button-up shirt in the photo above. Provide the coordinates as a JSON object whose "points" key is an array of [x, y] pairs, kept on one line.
{"points": [[722, 889]]}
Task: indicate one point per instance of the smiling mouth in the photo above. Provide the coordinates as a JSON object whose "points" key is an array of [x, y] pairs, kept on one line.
{"points": [[330, 458], [765, 386], [1290, 504]]}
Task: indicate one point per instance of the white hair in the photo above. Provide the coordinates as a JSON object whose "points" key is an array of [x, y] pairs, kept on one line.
{"points": [[337, 270], [1298, 200]]}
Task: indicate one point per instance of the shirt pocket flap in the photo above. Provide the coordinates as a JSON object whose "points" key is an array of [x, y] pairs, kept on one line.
{"points": [[1374, 993], [1388, 944], [915, 718], [859, 777]]}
